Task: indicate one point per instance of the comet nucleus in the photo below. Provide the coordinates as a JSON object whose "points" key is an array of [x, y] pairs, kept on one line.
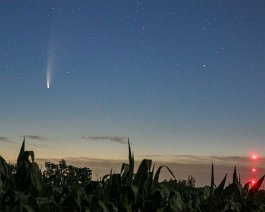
{"points": [[49, 68]]}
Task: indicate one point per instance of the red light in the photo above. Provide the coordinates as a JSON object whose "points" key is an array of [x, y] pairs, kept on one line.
{"points": [[253, 170], [254, 157], [253, 181]]}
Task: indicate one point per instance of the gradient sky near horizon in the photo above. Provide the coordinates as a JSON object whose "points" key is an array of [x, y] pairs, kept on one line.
{"points": [[176, 77]]}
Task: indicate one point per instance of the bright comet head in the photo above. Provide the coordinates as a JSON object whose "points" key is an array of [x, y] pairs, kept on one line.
{"points": [[48, 84], [48, 80], [48, 75]]}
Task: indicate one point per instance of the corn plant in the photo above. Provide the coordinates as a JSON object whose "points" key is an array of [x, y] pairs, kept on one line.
{"points": [[62, 187]]}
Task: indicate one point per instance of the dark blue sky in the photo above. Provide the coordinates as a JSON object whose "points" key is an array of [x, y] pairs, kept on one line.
{"points": [[177, 77]]}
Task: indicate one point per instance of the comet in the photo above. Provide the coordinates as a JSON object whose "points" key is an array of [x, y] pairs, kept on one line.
{"points": [[51, 60], [49, 68], [48, 77]]}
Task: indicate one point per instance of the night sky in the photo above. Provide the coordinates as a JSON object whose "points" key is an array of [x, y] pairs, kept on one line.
{"points": [[176, 77]]}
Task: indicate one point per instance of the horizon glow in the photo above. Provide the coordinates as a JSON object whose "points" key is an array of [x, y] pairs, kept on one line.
{"points": [[177, 78]]}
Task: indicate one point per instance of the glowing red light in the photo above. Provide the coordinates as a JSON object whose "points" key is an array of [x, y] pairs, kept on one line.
{"points": [[254, 157], [253, 170], [253, 181]]}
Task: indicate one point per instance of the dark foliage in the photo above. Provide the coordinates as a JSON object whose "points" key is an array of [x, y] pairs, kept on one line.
{"points": [[63, 187]]}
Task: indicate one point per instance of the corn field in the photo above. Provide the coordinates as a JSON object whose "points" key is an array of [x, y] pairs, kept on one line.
{"points": [[61, 187]]}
